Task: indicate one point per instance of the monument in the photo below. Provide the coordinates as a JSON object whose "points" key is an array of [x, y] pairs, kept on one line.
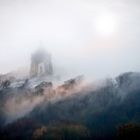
{"points": [[41, 64]]}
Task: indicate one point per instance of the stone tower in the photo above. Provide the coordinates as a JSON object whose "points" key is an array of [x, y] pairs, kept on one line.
{"points": [[41, 64]]}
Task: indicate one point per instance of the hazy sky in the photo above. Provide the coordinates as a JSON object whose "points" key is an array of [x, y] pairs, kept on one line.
{"points": [[97, 38]]}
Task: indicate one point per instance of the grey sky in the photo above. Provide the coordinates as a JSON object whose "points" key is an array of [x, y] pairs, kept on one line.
{"points": [[67, 28]]}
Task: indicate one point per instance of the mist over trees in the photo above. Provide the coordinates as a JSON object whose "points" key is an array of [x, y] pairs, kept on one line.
{"points": [[90, 113]]}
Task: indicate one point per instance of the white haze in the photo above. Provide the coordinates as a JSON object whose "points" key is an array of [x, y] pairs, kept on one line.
{"points": [[67, 30], [101, 93], [19, 105]]}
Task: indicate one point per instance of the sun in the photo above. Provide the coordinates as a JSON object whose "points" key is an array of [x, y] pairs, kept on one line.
{"points": [[106, 24]]}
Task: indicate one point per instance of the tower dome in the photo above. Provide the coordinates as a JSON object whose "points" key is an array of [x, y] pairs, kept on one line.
{"points": [[41, 63]]}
